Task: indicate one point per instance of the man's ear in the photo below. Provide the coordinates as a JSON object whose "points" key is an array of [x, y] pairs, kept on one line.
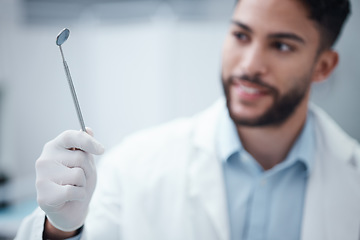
{"points": [[326, 63]]}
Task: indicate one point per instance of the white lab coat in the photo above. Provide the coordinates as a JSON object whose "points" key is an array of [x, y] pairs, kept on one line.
{"points": [[167, 184]]}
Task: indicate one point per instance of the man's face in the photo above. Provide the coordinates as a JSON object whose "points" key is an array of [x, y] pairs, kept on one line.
{"points": [[268, 60]]}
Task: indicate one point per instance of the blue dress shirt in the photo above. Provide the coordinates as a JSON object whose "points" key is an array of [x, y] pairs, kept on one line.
{"points": [[265, 205]]}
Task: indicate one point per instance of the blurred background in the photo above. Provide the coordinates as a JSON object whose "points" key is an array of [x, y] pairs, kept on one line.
{"points": [[134, 63]]}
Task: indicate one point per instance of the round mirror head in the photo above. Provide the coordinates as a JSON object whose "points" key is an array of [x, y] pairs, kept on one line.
{"points": [[62, 37]]}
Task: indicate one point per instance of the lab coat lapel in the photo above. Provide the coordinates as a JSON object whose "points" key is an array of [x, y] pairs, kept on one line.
{"points": [[206, 182], [332, 204]]}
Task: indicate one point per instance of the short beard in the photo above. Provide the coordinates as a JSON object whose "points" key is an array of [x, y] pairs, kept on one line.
{"points": [[282, 108]]}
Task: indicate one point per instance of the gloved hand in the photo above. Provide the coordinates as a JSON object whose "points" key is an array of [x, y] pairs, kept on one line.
{"points": [[66, 178]]}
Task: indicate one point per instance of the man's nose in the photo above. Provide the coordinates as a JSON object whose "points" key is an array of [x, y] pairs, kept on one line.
{"points": [[254, 61]]}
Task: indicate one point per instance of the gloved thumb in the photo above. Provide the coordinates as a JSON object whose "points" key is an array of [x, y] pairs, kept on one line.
{"points": [[80, 140], [90, 131]]}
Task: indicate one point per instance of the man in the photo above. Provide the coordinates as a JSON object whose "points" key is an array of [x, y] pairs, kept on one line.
{"points": [[267, 166]]}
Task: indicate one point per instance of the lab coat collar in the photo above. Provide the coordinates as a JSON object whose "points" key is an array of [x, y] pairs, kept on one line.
{"points": [[228, 141], [205, 127], [332, 209], [206, 182]]}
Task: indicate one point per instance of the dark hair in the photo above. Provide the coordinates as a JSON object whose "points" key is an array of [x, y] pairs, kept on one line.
{"points": [[330, 16]]}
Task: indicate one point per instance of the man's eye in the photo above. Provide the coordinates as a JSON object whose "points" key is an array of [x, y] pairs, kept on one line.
{"points": [[240, 36], [283, 47]]}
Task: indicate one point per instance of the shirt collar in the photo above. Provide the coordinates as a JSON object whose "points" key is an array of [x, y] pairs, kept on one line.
{"points": [[302, 151]]}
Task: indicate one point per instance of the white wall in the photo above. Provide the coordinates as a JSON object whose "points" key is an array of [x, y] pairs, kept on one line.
{"points": [[128, 77]]}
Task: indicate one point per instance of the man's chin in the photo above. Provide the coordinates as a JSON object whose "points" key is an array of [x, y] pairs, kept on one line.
{"points": [[246, 115], [269, 118], [245, 121], [250, 117]]}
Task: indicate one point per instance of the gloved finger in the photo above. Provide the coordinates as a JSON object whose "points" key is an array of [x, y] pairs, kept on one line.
{"points": [[50, 164], [79, 140], [51, 196], [52, 171], [48, 196], [70, 176], [60, 174], [72, 158], [57, 195], [77, 159], [74, 193]]}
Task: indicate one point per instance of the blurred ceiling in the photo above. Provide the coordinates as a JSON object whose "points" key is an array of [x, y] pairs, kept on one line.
{"points": [[52, 11]]}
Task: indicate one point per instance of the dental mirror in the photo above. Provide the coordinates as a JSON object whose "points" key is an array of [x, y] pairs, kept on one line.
{"points": [[62, 36], [60, 39]]}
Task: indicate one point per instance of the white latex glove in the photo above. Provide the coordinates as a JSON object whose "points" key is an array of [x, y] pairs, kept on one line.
{"points": [[66, 178]]}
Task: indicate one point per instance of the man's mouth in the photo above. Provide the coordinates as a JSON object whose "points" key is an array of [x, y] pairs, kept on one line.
{"points": [[249, 90]]}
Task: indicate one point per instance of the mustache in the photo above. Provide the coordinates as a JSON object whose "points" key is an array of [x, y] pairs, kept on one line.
{"points": [[255, 79]]}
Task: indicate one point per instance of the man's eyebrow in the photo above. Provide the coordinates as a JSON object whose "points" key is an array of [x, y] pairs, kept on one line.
{"points": [[290, 36], [242, 25]]}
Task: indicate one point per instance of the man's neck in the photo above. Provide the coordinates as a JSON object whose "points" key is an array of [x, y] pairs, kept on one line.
{"points": [[270, 145]]}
